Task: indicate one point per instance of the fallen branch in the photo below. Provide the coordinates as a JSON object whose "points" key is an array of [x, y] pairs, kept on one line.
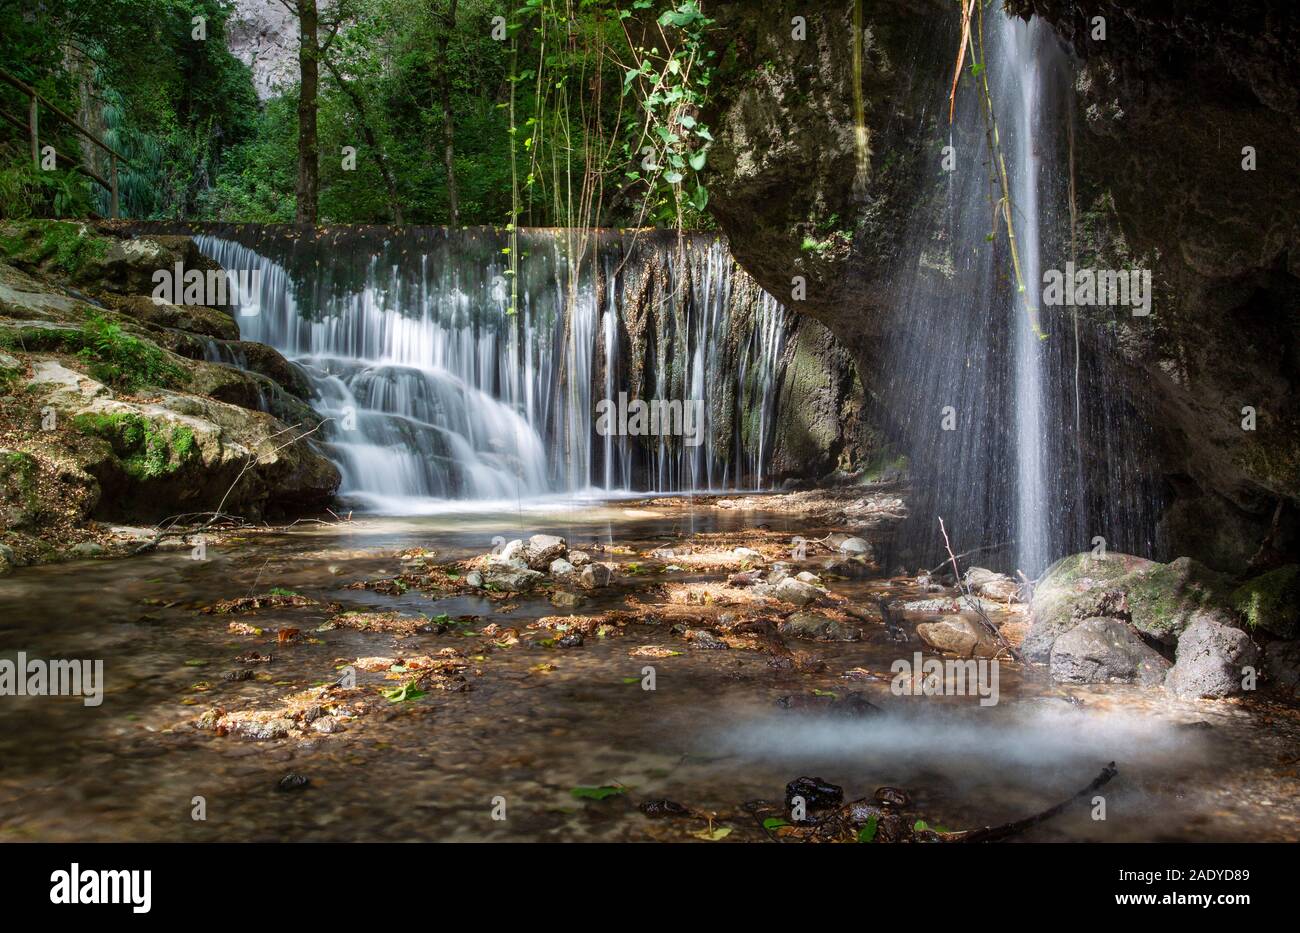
{"points": [[1006, 830]]}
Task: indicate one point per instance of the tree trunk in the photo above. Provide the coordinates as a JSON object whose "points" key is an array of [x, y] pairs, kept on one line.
{"points": [[448, 127], [308, 144]]}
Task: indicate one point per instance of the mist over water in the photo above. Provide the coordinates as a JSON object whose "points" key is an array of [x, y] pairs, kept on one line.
{"points": [[1020, 742]]}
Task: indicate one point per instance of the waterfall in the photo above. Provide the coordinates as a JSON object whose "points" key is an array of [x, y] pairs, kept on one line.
{"points": [[1021, 457], [1023, 69], [432, 389]]}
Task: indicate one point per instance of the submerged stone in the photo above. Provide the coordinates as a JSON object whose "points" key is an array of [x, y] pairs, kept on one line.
{"points": [[817, 626], [959, 636]]}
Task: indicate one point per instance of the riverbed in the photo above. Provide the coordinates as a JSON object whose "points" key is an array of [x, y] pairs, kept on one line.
{"points": [[500, 759]]}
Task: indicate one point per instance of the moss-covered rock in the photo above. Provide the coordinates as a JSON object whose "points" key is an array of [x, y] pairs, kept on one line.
{"points": [[1158, 600], [1271, 601], [180, 453]]}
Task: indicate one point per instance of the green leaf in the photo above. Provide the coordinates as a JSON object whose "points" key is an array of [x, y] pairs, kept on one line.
{"points": [[596, 793], [868, 832], [698, 159], [687, 121], [919, 826], [713, 835], [673, 178], [774, 822], [407, 691]]}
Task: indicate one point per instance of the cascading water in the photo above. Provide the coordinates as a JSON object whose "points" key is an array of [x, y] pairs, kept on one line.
{"points": [[1009, 412], [433, 389], [1022, 69]]}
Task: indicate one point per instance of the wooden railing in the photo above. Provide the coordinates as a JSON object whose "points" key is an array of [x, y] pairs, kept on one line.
{"points": [[34, 101]]}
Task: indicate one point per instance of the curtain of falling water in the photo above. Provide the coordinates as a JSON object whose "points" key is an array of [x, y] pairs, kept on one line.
{"points": [[436, 392], [1017, 468]]}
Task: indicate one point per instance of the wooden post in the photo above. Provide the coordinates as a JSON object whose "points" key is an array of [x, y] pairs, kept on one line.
{"points": [[32, 125], [112, 177]]}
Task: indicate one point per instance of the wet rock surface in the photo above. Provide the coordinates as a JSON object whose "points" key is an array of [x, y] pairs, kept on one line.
{"points": [[1106, 651], [1212, 660]]}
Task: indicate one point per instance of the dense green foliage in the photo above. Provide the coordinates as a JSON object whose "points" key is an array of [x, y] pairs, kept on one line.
{"points": [[562, 112]]}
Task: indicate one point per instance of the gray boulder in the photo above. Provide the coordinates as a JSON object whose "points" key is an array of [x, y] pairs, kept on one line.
{"points": [[1159, 600], [542, 549], [854, 547], [1210, 659], [595, 575], [513, 581], [1106, 651]]}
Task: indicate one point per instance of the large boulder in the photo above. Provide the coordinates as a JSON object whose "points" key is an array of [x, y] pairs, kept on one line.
{"points": [[179, 453], [1106, 651], [1159, 600], [1211, 660]]}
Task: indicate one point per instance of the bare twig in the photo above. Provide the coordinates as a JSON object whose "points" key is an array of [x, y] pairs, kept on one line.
{"points": [[974, 550], [218, 513], [973, 602]]}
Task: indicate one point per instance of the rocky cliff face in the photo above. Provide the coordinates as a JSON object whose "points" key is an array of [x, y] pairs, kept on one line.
{"points": [[1165, 106], [264, 36]]}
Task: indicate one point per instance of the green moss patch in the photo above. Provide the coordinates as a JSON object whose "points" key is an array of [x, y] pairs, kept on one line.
{"points": [[124, 360], [1271, 601], [66, 246], [145, 450]]}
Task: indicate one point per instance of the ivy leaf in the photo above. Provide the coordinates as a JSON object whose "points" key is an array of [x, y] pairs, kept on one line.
{"points": [[673, 178], [698, 159], [687, 120]]}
